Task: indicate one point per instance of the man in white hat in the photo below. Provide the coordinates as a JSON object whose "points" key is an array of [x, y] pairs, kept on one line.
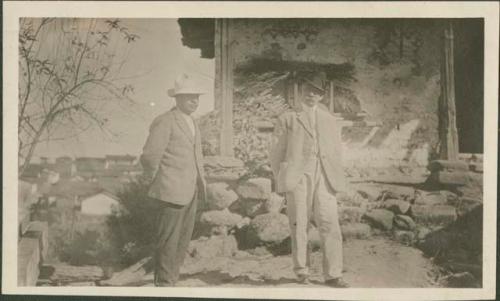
{"points": [[172, 159]]}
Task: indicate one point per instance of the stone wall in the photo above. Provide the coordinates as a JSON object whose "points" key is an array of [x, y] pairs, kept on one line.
{"points": [[396, 79]]}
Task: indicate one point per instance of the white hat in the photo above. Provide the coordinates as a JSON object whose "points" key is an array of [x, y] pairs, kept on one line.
{"points": [[184, 85]]}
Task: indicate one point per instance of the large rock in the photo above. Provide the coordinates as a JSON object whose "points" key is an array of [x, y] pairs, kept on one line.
{"points": [[256, 188], [349, 214], [220, 196], [214, 246], [380, 218], [440, 214], [274, 204], [460, 280], [455, 178], [422, 232], [432, 198], [476, 167], [396, 206], [466, 204], [249, 207], [65, 273], [445, 165], [28, 260], [40, 230], [404, 237], [270, 227], [404, 222], [219, 221], [397, 192], [221, 168], [352, 198], [355, 231]]}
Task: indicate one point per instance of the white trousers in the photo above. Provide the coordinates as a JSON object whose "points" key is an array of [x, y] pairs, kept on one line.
{"points": [[313, 199]]}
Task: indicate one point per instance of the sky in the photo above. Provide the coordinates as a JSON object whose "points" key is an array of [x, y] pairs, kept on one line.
{"points": [[154, 61]]}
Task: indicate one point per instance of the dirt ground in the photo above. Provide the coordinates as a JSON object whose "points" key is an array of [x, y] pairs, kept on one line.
{"points": [[376, 262]]}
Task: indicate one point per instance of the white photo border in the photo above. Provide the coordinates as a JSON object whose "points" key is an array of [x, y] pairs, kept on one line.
{"points": [[99, 9]]}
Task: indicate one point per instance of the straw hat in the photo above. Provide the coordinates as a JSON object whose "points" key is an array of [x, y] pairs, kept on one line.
{"points": [[184, 85]]}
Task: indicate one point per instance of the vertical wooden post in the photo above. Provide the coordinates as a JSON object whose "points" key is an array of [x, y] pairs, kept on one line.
{"points": [[218, 65], [448, 135], [331, 93], [296, 102], [224, 65]]}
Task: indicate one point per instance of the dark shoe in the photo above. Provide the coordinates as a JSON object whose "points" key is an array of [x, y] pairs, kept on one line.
{"points": [[337, 282], [303, 279]]}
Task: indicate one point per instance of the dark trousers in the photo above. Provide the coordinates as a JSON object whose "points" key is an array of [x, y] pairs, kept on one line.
{"points": [[175, 227]]}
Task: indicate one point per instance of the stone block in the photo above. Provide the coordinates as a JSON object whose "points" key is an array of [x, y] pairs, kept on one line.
{"points": [[249, 207], [220, 196], [28, 261], [422, 232], [349, 214], [396, 206], [443, 214], [449, 178], [460, 280], [270, 227], [476, 167], [66, 273], [466, 204], [274, 204], [445, 165], [219, 221], [40, 230], [404, 237], [355, 231], [214, 246], [368, 191], [404, 222], [256, 188], [352, 198], [380, 218], [432, 198], [223, 169]]}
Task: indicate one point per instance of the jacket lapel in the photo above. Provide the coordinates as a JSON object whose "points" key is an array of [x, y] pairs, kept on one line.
{"points": [[302, 118], [183, 125]]}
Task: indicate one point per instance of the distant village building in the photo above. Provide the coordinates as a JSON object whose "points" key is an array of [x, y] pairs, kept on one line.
{"points": [[102, 203], [114, 160]]}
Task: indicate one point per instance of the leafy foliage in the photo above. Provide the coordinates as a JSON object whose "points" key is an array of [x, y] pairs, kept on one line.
{"points": [[133, 227]]}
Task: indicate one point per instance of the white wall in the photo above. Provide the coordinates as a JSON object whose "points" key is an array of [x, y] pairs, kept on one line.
{"points": [[99, 204]]}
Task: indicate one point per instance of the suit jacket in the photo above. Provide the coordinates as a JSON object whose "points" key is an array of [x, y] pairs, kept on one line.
{"points": [[296, 143], [172, 158]]}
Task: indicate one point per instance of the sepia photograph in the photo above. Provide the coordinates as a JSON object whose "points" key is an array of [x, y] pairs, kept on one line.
{"points": [[324, 153]]}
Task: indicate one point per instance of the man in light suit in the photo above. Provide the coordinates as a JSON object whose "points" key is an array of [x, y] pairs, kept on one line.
{"points": [[172, 159], [306, 161]]}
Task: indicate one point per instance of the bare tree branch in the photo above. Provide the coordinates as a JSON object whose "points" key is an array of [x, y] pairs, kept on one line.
{"points": [[67, 75]]}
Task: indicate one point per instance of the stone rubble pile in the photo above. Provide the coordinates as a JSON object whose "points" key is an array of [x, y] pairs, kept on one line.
{"points": [[244, 217], [248, 209]]}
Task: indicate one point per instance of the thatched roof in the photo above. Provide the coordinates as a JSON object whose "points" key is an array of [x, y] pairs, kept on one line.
{"points": [[298, 69]]}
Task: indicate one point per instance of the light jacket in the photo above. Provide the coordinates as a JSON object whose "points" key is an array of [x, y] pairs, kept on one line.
{"points": [[172, 158], [296, 144]]}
